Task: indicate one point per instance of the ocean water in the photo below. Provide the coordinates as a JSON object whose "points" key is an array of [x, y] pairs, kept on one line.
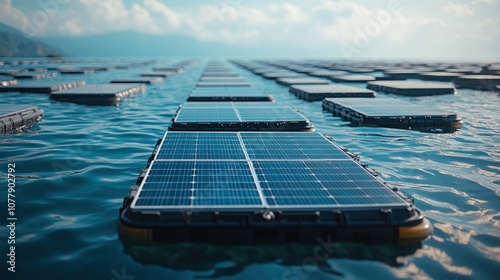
{"points": [[74, 168]]}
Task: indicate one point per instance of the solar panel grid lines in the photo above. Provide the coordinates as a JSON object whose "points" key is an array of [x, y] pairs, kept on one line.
{"points": [[237, 112], [277, 181], [254, 174], [238, 116]]}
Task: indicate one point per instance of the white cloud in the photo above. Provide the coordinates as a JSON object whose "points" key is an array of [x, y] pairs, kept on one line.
{"points": [[458, 9], [14, 17], [291, 14], [429, 21], [475, 2], [319, 24], [487, 29]]}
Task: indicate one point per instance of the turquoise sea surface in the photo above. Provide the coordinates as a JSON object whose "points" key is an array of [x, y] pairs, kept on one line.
{"points": [[74, 168]]}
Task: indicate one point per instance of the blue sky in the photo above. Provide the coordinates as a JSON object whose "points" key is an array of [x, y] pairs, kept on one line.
{"points": [[330, 28]]}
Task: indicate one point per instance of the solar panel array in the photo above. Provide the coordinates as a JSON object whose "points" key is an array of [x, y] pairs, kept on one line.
{"points": [[223, 93], [252, 170], [383, 107], [199, 112]]}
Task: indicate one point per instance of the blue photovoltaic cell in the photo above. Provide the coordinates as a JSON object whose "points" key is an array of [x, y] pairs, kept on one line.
{"points": [[227, 92], [279, 169], [284, 145], [206, 115], [233, 112], [320, 182], [383, 107], [194, 146], [191, 183]]}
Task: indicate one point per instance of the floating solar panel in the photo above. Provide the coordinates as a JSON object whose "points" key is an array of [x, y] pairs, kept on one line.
{"points": [[301, 69], [319, 92], [158, 74], [219, 74], [76, 70], [352, 79], [403, 73], [228, 94], [238, 116], [359, 70], [41, 86], [282, 75], [169, 69], [281, 185], [262, 70], [11, 72], [389, 78], [463, 71], [107, 94], [139, 80], [7, 80], [393, 113], [36, 69], [478, 82], [327, 73], [301, 81], [34, 75], [222, 79], [412, 88], [14, 117], [223, 84], [438, 76]]}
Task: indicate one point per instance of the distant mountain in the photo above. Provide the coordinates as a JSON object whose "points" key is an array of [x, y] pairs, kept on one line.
{"points": [[127, 43], [14, 43]]}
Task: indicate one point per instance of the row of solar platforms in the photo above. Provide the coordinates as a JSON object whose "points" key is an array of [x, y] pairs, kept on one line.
{"points": [[16, 117], [49, 68], [304, 82], [258, 183], [293, 73]]}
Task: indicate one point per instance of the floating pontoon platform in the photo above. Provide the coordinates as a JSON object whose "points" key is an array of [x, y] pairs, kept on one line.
{"points": [[301, 81], [319, 92], [282, 75], [41, 86], [478, 82], [228, 94], [34, 75], [76, 70], [412, 88], [238, 116], [158, 74], [106, 94], [7, 80], [222, 79], [263, 187], [220, 74], [438, 76], [139, 80], [393, 113], [15, 117], [403, 73], [327, 73], [223, 84], [352, 79], [169, 69]]}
